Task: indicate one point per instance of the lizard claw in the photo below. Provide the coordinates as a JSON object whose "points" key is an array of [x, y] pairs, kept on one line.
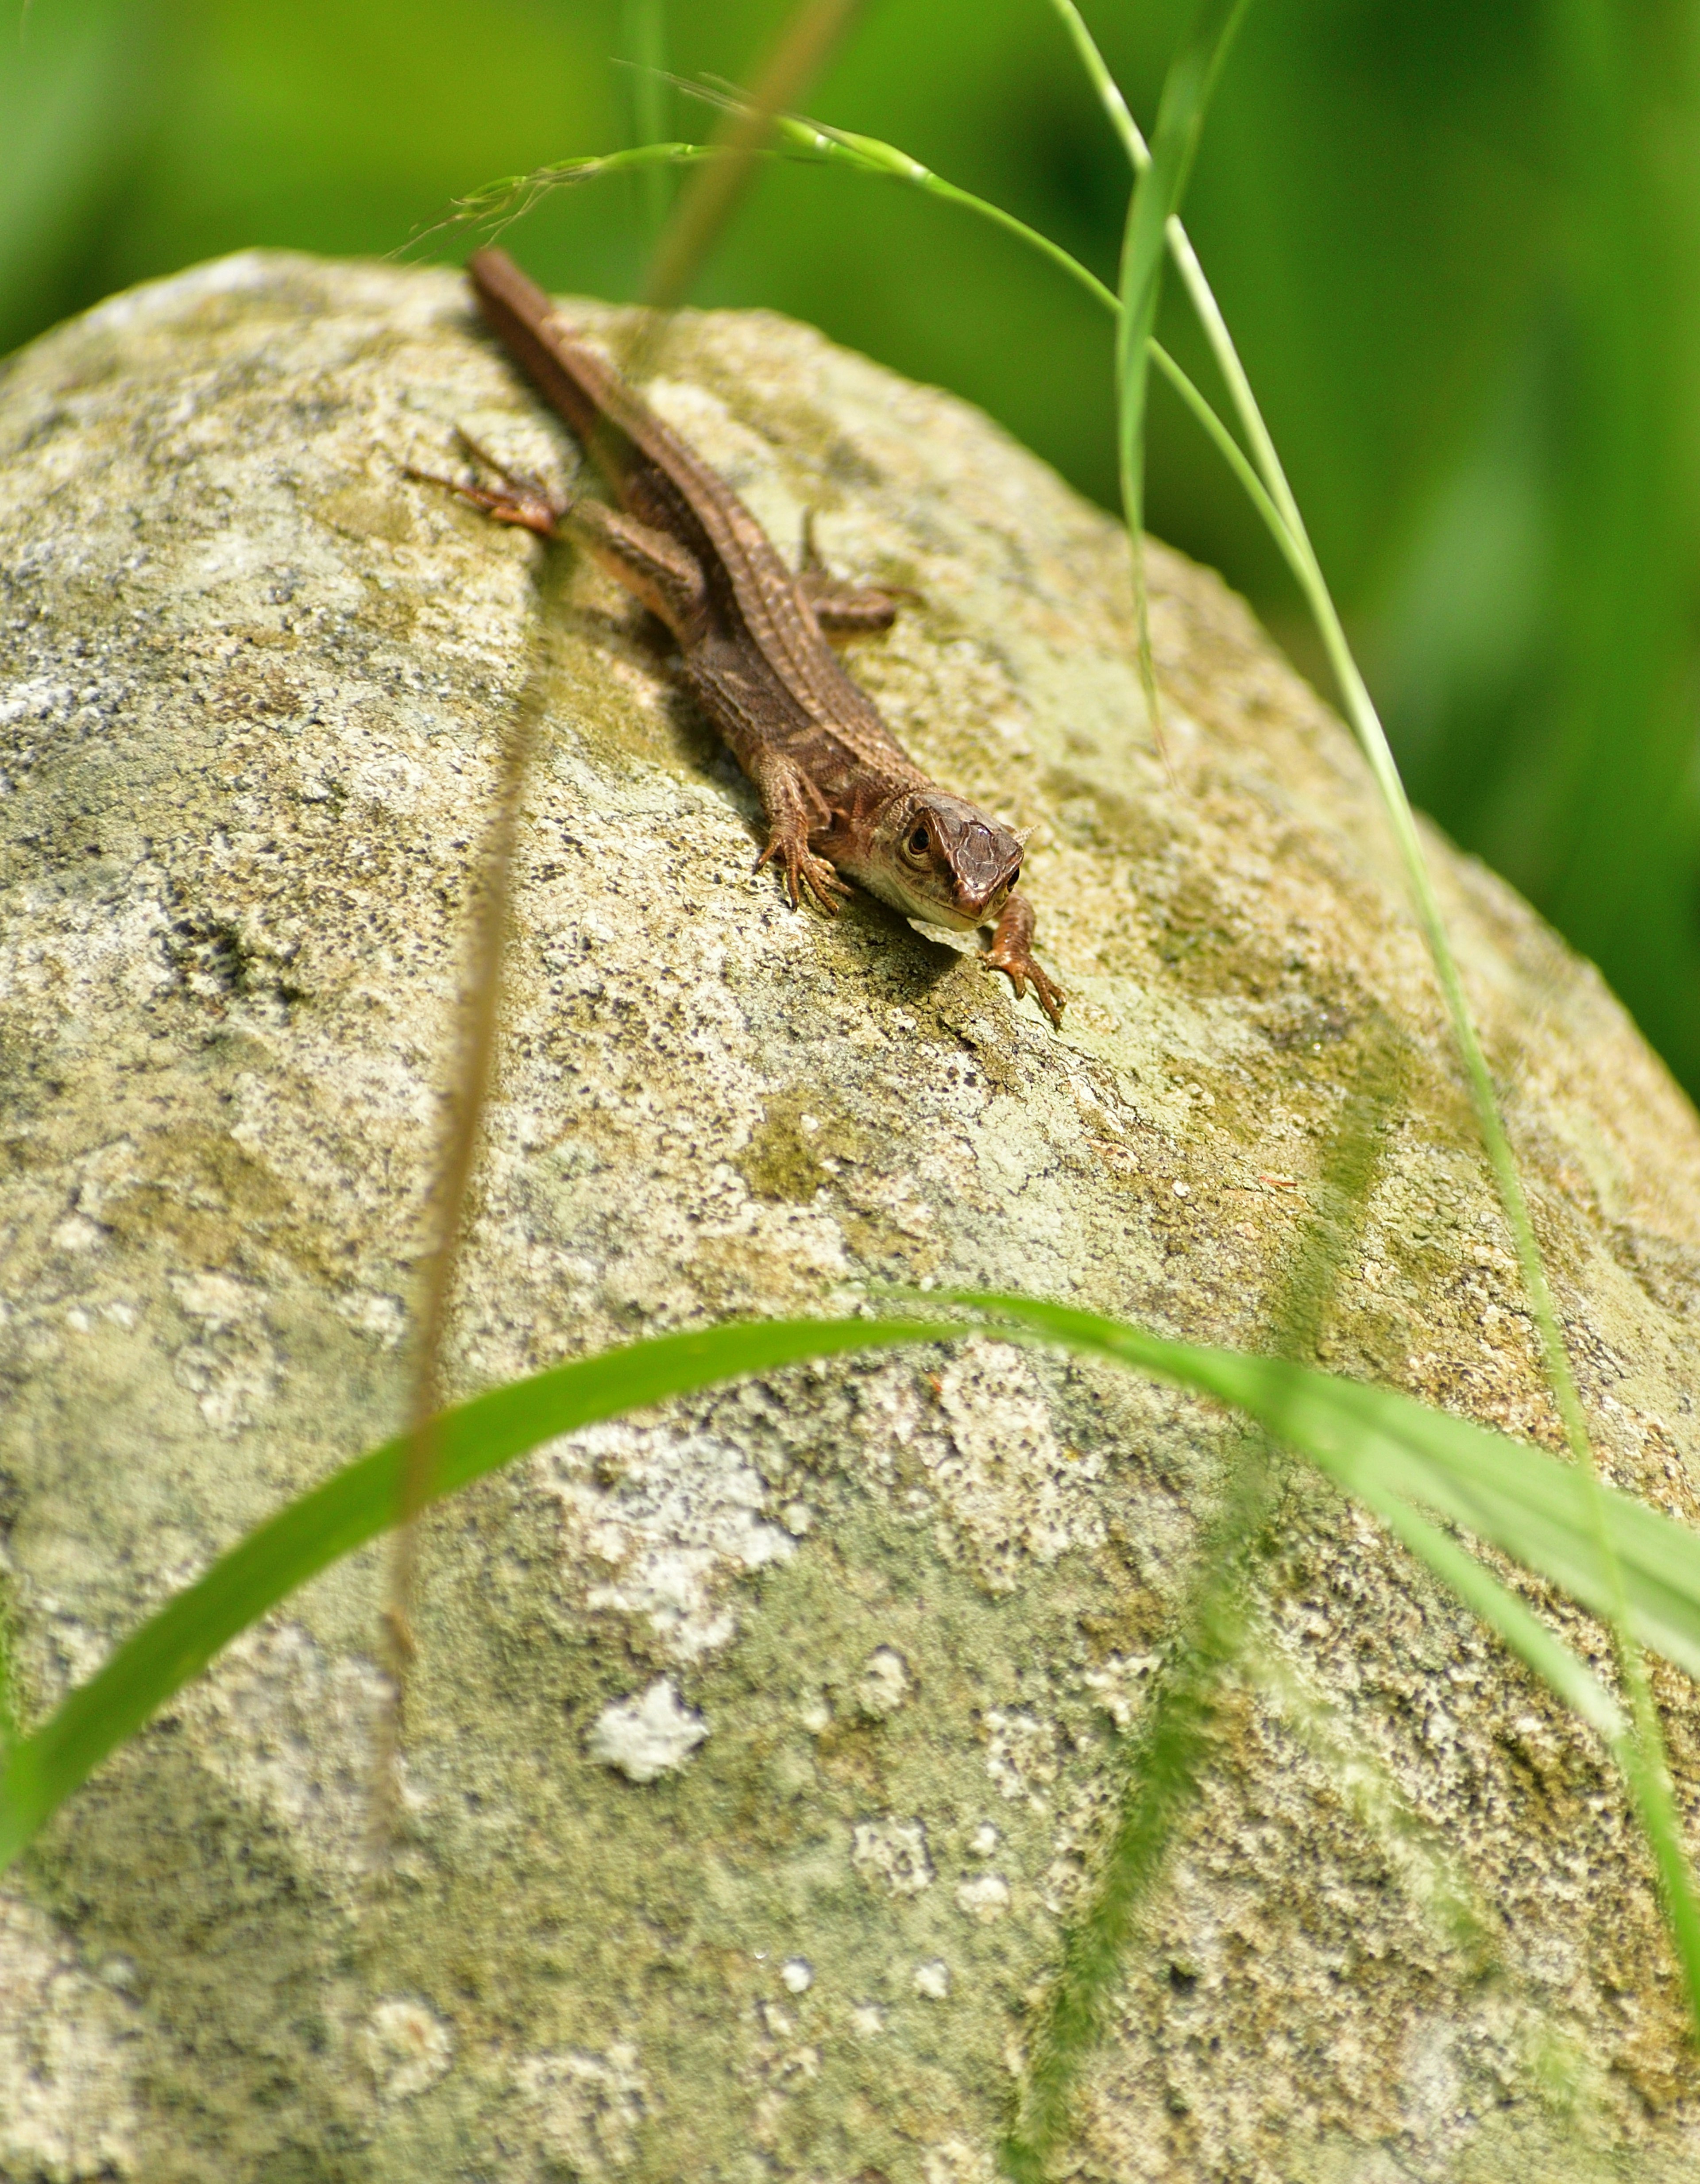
{"points": [[1018, 967], [806, 874]]}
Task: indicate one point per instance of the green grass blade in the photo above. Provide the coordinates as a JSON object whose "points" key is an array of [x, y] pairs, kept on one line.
{"points": [[358, 1503], [1533, 1506], [1156, 197], [644, 43]]}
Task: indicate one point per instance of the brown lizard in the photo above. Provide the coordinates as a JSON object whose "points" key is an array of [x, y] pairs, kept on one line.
{"points": [[841, 795]]}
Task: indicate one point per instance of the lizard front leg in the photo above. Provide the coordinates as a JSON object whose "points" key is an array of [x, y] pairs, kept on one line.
{"points": [[795, 810], [1011, 953]]}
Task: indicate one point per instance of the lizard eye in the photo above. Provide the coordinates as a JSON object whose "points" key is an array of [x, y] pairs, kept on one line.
{"points": [[919, 843]]}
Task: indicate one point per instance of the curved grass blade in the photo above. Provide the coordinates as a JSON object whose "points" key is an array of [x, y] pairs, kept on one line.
{"points": [[358, 1503], [1371, 1439]]}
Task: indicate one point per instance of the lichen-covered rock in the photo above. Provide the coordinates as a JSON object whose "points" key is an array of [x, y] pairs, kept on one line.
{"points": [[757, 1747]]}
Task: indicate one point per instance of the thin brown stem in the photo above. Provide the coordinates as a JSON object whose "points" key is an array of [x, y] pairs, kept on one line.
{"points": [[711, 195], [474, 1069]]}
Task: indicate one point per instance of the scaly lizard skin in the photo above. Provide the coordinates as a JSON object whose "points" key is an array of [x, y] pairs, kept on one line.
{"points": [[841, 795]]}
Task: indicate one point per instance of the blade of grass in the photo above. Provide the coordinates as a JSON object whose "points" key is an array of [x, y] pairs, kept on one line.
{"points": [[644, 43], [1187, 86], [1163, 1763], [1648, 1775], [1372, 1439], [359, 1503]]}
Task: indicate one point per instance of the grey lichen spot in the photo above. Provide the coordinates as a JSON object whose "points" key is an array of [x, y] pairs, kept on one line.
{"points": [[932, 1979], [649, 1736]]}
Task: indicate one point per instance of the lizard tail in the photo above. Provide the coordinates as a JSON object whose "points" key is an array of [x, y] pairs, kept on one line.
{"points": [[576, 383]]}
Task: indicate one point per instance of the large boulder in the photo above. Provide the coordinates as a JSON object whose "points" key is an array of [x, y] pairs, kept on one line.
{"points": [[757, 1749]]}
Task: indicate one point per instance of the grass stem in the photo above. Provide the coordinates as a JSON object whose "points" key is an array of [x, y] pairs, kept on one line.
{"points": [[1641, 1755]]}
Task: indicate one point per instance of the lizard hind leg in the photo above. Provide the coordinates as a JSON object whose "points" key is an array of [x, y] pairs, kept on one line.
{"points": [[841, 610], [522, 500]]}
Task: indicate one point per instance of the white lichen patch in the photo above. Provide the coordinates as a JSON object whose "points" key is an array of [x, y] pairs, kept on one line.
{"points": [[288, 1727], [884, 1684], [68, 2056], [984, 1898], [672, 1518], [1021, 1755], [1008, 1490], [582, 2112], [406, 2048], [892, 1854], [233, 1368], [649, 1736]]}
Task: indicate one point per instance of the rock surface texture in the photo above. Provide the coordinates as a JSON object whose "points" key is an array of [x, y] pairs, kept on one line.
{"points": [[757, 1747]]}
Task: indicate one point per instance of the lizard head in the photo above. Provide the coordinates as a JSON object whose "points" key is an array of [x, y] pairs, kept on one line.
{"points": [[938, 859]]}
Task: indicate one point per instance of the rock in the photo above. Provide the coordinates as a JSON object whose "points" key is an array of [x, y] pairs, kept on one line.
{"points": [[257, 684]]}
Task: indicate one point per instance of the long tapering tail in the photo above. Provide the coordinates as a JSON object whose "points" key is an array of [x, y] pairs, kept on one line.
{"points": [[576, 384]]}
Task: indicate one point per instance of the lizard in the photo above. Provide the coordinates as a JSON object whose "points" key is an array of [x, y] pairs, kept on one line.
{"points": [[843, 799]]}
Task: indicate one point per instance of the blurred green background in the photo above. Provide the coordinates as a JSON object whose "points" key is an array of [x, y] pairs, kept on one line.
{"points": [[1456, 241]]}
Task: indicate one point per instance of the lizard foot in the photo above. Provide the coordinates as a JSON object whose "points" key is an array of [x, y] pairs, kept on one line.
{"points": [[522, 500], [807, 875], [1012, 959]]}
